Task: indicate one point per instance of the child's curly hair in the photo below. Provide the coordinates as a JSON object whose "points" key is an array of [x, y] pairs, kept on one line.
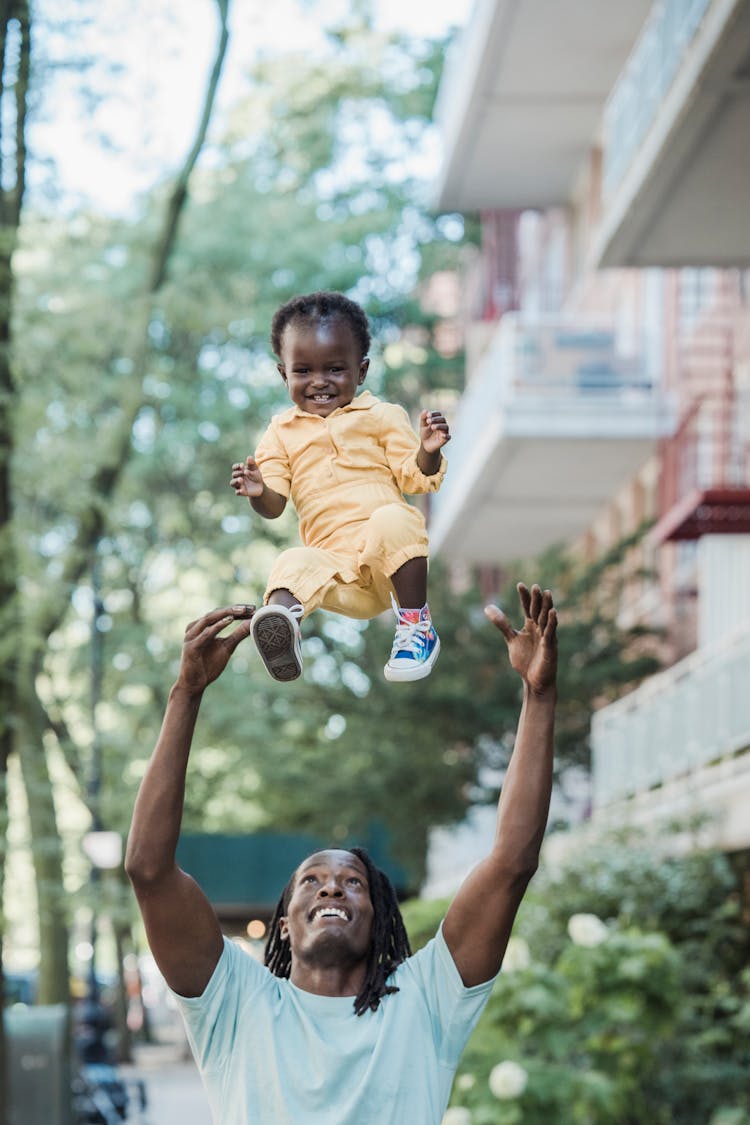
{"points": [[322, 305]]}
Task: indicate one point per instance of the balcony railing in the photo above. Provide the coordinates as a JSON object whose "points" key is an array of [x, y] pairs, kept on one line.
{"points": [[647, 77], [555, 365], [710, 449], [705, 478], [690, 716]]}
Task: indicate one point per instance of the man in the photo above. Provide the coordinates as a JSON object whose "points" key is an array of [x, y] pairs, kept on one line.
{"points": [[343, 1026]]}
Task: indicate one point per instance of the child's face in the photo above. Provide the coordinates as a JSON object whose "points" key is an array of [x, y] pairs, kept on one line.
{"points": [[321, 365]]}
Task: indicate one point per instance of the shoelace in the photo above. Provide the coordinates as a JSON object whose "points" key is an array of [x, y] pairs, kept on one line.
{"points": [[411, 636]]}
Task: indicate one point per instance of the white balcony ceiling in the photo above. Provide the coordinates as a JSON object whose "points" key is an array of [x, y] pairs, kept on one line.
{"points": [[539, 474], [522, 97], [685, 198]]}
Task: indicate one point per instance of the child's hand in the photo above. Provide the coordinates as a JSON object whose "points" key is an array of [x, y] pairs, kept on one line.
{"points": [[247, 479], [433, 430]]}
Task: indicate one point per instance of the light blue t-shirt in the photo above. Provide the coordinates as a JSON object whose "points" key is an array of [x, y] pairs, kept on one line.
{"points": [[271, 1054]]}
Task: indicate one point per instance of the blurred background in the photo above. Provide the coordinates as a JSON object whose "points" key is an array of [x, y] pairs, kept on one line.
{"points": [[545, 211]]}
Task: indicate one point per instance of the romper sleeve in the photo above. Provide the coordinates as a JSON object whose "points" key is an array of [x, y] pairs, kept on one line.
{"points": [[272, 457], [401, 446]]}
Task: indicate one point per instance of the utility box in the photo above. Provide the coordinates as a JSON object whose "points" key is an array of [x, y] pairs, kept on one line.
{"points": [[38, 1057]]}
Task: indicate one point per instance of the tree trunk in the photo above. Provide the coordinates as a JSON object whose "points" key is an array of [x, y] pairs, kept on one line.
{"points": [[14, 75]]}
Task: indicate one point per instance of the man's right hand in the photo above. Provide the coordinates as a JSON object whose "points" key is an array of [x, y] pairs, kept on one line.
{"points": [[247, 479], [204, 653]]}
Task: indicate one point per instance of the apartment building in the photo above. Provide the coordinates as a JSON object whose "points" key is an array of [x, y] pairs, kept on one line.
{"points": [[606, 148]]}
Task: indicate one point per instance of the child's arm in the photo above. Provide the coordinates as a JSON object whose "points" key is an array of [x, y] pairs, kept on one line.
{"points": [[434, 433], [247, 480]]}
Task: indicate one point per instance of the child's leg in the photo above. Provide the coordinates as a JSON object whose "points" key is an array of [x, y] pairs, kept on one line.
{"points": [[297, 584], [410, 583], [396, 544], [283, 597]]}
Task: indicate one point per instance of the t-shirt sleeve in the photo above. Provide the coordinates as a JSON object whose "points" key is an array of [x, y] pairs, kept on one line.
{"points": [[211, 1018], [454, 1008], [273, 460], [401, 446]]}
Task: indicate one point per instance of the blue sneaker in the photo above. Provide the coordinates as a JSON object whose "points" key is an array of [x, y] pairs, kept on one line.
{"points": [[415, 646], [277, 638]]}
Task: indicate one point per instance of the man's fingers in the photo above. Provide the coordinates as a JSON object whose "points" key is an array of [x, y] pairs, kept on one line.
{"points": [[500, 621], [550, 629], [525, 597], [217, 619], [239, 634], [545, 608]]}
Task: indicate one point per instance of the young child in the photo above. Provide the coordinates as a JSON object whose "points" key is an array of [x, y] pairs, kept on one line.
{"points": [[344, 462]]}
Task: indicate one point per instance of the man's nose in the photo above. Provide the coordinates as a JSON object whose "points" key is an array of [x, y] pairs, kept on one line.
{"points": [[331, 887]]}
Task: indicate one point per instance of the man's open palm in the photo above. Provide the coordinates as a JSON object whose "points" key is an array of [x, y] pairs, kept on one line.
{"points": [[533, 649]]}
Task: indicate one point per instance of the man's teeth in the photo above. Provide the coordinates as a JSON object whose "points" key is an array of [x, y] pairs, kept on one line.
{"points": [[331, 912]]}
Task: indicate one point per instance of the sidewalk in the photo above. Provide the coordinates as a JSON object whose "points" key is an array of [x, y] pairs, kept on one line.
{"points": [[173, 1087]]}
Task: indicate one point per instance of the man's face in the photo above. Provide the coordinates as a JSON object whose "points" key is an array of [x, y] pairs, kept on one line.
{"points": [[330, 913], [321, 364]]}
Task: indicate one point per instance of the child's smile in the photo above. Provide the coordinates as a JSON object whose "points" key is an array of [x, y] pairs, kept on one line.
{"points": [[321, 365]]}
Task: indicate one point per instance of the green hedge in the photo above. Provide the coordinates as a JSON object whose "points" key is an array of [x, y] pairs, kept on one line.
{"points": [[624, 998]]}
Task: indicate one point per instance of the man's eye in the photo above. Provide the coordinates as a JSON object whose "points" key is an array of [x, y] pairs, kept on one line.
{"points": [[308, 879], [354, 879]]}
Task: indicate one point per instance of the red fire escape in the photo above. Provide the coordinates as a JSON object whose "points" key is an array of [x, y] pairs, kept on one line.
{"points": [[705, 475]]}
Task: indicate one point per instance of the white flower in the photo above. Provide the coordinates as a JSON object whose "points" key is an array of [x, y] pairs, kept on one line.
{"points": [[508, 1080], [466, 1082], [587, 930], [457, 1115], [517, 955]]}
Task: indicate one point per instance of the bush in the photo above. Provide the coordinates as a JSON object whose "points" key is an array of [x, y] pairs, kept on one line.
{"points": [[623, 1000]]}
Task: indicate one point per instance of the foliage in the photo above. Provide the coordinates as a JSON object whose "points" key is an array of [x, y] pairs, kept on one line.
{"points": [[648, 1021]]}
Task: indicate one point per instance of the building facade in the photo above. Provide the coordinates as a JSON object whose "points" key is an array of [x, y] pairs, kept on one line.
{"points": [[607, 327]]}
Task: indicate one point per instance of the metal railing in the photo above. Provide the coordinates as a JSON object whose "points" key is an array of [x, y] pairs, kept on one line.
{"points": [[709, 449], [645, 80], [690, 716]]}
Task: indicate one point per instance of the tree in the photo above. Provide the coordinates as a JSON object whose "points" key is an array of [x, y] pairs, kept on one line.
{"points": [[15, 52], [85, 522]]}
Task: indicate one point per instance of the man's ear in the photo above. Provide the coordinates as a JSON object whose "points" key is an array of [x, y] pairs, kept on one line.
{"points": [[363, 368], [283, 929], [281, 371]]}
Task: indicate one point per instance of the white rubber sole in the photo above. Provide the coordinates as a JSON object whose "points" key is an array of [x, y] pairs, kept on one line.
{"points": [[397, 674]]}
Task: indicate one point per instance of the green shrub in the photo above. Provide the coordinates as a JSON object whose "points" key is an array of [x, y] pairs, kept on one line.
{"points": [[624, 998]]}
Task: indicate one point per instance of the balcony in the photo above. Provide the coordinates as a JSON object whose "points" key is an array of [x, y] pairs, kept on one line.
{"points": [[679, 745], [522, 97], [553, 421], [705, 479], [676, 162]]}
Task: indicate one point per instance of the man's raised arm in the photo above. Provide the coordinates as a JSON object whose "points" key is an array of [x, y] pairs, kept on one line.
{"points": [[479, 920], [182, 929]]}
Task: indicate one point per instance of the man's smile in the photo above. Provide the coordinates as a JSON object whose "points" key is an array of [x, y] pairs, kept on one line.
{"points": [[329, 911]]}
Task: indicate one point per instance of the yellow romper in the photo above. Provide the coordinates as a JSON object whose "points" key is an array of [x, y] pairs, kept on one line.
{"points": [[345, 475]]}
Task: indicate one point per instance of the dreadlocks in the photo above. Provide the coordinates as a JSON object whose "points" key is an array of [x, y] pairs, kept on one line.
{"points": [[315, 307], [388, 948]]}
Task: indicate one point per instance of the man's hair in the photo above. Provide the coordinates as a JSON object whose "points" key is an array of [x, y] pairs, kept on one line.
{"points": [[323, 305], [389, 945]]}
